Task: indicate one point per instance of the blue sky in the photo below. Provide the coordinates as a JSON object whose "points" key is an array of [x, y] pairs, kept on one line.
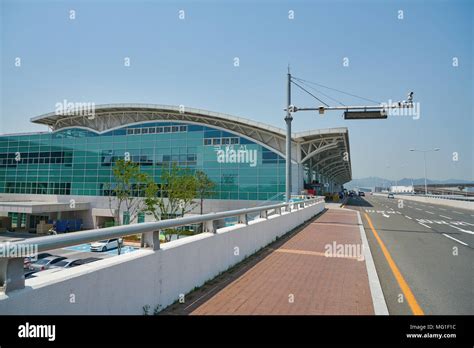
{"points": [[191, 62]]}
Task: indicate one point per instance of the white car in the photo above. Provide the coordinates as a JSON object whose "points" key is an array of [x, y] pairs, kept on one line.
{"points": [[390, 195], [66, 263], [105, 245]]}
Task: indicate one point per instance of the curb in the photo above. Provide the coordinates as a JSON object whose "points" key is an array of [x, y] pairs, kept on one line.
{"points": [[378, 300]]}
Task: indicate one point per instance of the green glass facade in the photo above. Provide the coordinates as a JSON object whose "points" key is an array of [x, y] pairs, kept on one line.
{"points": [[79, 162]]}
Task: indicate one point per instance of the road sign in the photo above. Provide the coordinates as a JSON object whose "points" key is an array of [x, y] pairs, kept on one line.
{"points": [[365, 115]]}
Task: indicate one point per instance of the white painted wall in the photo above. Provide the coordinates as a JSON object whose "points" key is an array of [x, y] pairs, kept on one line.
{"points": [[125, 283]]}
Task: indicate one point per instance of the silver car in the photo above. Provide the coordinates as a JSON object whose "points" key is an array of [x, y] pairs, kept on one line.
{"points": [[66, 263], [46, 263]]}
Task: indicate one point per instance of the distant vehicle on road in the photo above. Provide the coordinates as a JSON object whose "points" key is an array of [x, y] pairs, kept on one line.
{"points": [[361, 194], [390, 195], [105, 245], [45, 263]]}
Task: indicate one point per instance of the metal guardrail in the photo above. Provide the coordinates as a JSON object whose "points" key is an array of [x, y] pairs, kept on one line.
{"points": [[454, 198], [11, 266], [450, 197]]}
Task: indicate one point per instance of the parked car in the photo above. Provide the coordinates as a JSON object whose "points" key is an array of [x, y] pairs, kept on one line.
{"points": [[390, 195], [29, 259], [26, 262], [105, 245], [84, 261], [45, 263], [30, 274], [361, 194], [66, 263], [46, 272], [42, 256]]}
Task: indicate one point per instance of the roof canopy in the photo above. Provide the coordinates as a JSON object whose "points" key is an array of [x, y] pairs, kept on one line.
{"points": [[326, 150], [37, 207]]}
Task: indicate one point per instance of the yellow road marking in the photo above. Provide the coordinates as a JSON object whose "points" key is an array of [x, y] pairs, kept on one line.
{"points": [[414, 306]]}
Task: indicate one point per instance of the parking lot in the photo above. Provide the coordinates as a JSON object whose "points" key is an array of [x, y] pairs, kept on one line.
{"points": [[81, 251]]}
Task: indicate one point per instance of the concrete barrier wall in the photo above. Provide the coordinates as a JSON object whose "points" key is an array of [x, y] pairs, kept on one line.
{"points": [[431, 200], [125, 283]]}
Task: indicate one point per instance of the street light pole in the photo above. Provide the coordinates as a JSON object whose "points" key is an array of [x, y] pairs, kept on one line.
{"points": [[424, 159], [288, 120], [350, 113]]}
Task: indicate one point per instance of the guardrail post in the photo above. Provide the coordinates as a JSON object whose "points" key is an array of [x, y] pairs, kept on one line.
{"points": [[12, 275], [210, 226], [152, 240], [278, 211], [264, 214], [243, 219]]}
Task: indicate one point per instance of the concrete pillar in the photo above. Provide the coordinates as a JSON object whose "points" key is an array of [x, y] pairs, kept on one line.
{"points": [[310, 171], [11, 274], [297, 178]]}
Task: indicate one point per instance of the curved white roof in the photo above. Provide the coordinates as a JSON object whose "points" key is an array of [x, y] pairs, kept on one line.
{"points": [[309, 147]]}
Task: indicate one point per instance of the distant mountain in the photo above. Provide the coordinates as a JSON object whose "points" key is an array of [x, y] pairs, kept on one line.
{"points": [[372, 181]]}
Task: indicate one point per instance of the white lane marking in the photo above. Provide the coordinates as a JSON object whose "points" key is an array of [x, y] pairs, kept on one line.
{"points": [[461, 223], [446, 217], [442, 209], [408, 217], [462, 230], [378, 300], [409, 206], [429, 212], [383, 214], [454, 211], [418, 209], [457, 240], [424, 225]]}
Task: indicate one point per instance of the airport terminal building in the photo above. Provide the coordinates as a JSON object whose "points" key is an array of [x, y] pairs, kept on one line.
{"points": [[41, 172]]}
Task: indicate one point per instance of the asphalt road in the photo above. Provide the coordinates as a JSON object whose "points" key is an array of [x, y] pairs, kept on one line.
{"points": [[432, 248]]}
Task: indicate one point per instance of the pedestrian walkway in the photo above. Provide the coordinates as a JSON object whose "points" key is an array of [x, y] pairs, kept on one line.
{"points": [[297, 276]]}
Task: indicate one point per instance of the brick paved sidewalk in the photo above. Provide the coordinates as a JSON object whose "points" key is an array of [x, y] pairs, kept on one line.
{"points": [[297, 278]]}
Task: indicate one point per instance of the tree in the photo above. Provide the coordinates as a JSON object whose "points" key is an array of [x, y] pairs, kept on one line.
{"points": [[124, 194], [173, 197], [126, 189], [205, 186]]}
